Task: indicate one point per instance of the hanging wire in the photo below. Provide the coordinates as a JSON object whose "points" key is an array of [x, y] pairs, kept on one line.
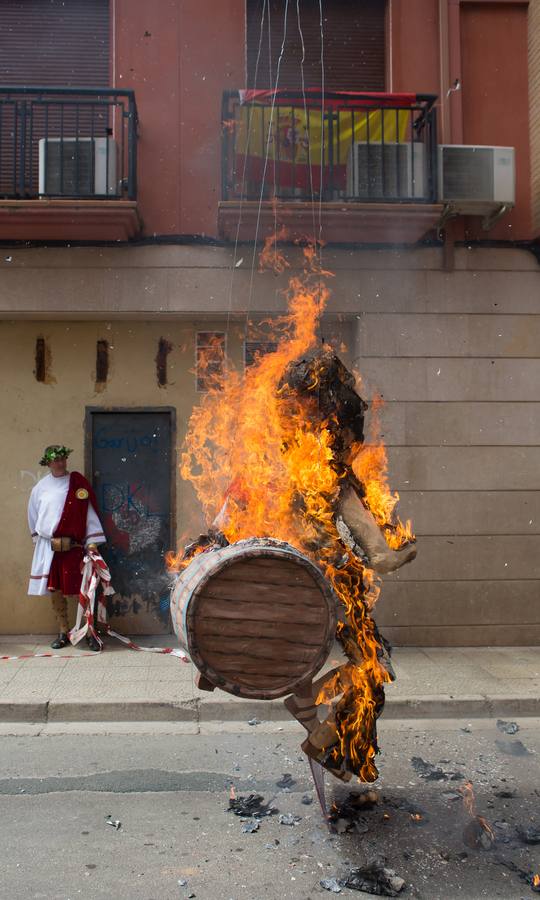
{"points": [[271, 81], [266, 156], [265, 5], [323, 87], [306, 117], [310, 166], [265, 11]]}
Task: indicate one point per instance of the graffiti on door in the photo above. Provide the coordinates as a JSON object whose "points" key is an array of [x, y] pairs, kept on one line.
{"points": [[131, 462]]}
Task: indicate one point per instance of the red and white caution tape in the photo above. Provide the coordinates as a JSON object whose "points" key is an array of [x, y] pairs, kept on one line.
{"points": [[51, 655]]}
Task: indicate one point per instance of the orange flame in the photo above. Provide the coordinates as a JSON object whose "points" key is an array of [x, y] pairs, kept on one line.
{"points": [[260, 468], [371, 468], [536, 881], [469, 803]]}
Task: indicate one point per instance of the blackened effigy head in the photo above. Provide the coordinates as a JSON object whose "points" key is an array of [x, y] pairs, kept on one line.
{"points": [[323, 382]]}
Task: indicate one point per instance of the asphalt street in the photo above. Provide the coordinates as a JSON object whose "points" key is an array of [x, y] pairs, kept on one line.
{"points": [[170, 792]]}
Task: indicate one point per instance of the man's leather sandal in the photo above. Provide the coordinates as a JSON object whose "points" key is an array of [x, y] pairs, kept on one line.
{"points": [[93, 644], [61, 641]]}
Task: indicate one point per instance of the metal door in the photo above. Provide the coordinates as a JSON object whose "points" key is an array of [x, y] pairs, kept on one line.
{"points": [[130, 458]]}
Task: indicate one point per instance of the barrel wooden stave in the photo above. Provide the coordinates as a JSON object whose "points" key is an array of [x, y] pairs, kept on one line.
{"points": [[257, 617]]}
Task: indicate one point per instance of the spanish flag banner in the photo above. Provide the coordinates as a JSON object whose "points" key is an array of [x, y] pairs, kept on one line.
{"points": [[287, 144]]}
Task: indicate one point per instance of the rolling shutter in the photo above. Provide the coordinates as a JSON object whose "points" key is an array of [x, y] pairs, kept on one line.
{"points": [[61, 43], [354, 44]]}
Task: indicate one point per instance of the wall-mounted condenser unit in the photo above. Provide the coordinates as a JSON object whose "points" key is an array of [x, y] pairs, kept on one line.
{"points": [[83, 167], [392, 171], [475, 180]]}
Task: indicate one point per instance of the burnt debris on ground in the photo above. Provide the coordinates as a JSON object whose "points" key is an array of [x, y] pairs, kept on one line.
{"points": [[252, 806], [431, 772], [376, 879], [507, 727]]}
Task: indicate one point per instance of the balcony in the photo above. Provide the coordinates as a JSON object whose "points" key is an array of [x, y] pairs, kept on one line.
{"points": [[364, 166], [68, 164]]}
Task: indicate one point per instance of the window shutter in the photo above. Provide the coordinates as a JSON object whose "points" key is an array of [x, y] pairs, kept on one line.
{"points": [[354, 44], [61, 43]]}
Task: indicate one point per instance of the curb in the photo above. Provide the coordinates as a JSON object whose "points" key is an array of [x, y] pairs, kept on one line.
{"points": [[443, 706], [204, 711]]}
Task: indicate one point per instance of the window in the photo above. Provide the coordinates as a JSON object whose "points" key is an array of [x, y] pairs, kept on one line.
{"points": [[210, 359], [51, 43], [255, 349], [54, 42], [354, 45]]}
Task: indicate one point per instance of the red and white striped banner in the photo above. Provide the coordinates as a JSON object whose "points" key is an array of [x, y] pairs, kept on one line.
{"points": [[95, 572]]}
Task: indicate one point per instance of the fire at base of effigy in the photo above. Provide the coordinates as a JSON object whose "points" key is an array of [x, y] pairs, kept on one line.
{"points": [[303, 525]]}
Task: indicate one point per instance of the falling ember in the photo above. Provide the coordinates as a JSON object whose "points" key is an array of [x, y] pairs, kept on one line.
{"points": [[268, 460], [469, 801], [535, 883], [478, 833]]}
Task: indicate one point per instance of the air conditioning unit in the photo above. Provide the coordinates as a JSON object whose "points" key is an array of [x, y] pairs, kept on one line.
{"points": [[476, 180], [77, 168], [376, 171]]}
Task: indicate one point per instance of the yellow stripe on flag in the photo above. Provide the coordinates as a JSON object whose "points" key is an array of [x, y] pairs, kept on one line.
{"points": [[291, 134]]}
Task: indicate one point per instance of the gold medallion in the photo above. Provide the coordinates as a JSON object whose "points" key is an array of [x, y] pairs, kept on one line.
{"points": [[82, 494]]}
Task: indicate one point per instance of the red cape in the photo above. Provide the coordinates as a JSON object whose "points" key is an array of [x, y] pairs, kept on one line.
{"points": [[73, 519]]}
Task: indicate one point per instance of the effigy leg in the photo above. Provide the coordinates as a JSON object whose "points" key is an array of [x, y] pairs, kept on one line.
{"points": [[302, 705], [322, 736], [358, 529]]}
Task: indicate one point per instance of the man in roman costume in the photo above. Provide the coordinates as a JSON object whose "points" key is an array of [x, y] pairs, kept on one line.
{"points": [[63, 521]]}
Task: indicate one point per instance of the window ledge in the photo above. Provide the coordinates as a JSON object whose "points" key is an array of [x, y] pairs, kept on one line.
{"points": [[363, 223], [68, 220]]}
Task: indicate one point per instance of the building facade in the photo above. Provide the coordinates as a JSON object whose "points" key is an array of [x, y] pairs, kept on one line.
{"points": [[134, 182]]}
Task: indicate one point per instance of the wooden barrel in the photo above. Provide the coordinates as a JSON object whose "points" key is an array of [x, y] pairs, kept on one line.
{"points": [[256, 617]]}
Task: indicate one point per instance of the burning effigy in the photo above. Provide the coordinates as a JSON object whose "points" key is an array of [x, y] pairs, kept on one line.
{"points": [[303, 524]]}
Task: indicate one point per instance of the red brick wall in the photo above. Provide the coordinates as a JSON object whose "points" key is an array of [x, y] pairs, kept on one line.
{"points": [[179, 55], [495, 99]]}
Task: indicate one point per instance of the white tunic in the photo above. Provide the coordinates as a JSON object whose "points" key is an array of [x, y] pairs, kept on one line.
{"points": [[45, 509]]}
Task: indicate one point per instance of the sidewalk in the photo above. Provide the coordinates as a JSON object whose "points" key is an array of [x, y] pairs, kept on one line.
{"points": [[122, 685]]}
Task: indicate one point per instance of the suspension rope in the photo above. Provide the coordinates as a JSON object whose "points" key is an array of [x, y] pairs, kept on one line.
{"points": [[265, 167], [306, 118], [321, 177], [323, 87], [271, 81], [251, 110], [317, 232]]}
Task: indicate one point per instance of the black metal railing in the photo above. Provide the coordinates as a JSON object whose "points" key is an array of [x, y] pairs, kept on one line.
{"points": [[343, 147], [71, 142]]}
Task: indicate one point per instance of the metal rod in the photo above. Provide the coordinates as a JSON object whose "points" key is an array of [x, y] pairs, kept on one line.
{"points": [[132, 148]]}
